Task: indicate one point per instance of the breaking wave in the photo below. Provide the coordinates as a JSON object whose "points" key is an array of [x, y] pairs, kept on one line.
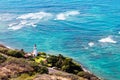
{"points": [[65, 15], [16, 22], [91, 44], [30, 19], [107, 40]]}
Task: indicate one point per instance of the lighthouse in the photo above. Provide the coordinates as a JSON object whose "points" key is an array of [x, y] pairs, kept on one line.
{"points": [[35, 53]]}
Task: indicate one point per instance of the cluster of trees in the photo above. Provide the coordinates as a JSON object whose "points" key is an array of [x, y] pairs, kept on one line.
{"points": [[60, 62], [68, 65], [14, 53], [64, 64], [38, 68]]}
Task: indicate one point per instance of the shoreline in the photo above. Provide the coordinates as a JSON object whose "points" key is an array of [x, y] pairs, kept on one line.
{"points": [[2, 44], [86, 70], [82, 66]]}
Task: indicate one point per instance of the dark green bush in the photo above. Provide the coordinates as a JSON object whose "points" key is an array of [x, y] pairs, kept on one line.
{"points": [[15, 53], [2, 59], [42, 53], [52, 60], [65, 64], [85, 75], [43, 70], [65, 68], [38, 69]]}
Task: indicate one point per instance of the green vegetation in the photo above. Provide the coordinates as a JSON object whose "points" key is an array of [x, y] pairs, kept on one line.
{"points": [[24, 77], [37, 68], [87, 75], [65, 64], [60, 62], [13, 53], [14, 66], [3, 50], [16, 53], [2, 59], [17, 66]]}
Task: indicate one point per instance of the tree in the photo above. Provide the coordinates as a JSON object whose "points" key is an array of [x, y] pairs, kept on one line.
{"points": [[15, 53]]}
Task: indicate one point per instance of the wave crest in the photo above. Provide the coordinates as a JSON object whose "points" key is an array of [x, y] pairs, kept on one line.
{"points": [[16, 22], [30, 19], [39, 15], [91, 44], [65, 15], [107, 40]]}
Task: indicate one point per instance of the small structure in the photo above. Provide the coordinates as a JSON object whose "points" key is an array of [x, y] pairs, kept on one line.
{"points": [[27, 55], [35, 53]]}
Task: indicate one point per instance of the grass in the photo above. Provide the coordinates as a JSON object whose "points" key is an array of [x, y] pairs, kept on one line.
{"points": [[24, 77], [38, 60]]}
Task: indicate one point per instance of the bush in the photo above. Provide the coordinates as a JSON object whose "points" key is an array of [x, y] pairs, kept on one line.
{"points": [[15, 53], [2, 59], [43, 70], [3, 50], [41, 53], [63, 63], [85, 74], [52, 60], [65, 68], [38, 69]]}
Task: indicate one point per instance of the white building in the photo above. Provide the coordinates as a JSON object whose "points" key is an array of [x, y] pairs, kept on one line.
{"points": [[35, 53]]}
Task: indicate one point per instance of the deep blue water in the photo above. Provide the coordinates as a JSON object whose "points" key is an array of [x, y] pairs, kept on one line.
{"points": [[86, 30]]}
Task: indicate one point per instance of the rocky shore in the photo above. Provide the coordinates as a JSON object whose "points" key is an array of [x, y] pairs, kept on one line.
{"points": [[14, 65]]}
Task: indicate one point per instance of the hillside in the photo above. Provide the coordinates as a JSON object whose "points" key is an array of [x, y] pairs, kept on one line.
{"points": [[14, 65]]}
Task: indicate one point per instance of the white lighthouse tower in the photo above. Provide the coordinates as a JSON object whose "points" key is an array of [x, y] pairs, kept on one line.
{"points": [[35, 53]]}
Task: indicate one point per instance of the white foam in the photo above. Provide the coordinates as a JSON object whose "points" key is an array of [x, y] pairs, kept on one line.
{"points": [[107, 40], [32, 19], [119, 32], [65, 15], [38, 15], [21, 24], [16, 27], [9, 47], [91, 44], [60, 16]]}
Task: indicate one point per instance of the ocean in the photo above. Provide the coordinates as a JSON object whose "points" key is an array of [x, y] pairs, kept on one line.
{"points": [[86, 30]]}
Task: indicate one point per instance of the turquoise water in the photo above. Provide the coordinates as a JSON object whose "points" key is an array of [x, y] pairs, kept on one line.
{"points": [[86, 30]]}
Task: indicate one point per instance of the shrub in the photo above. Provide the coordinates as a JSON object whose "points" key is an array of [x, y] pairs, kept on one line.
{"points": [[39, 69], [42, 53], [85, 74], [2, 59], [43, 70], [3, 50], [63, 63], [15, 53], [52, 60], [65, 68]]}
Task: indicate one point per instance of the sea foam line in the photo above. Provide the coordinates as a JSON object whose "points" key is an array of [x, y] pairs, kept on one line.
{"points": [[107, 40], [16, 22], [65, 15]]}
